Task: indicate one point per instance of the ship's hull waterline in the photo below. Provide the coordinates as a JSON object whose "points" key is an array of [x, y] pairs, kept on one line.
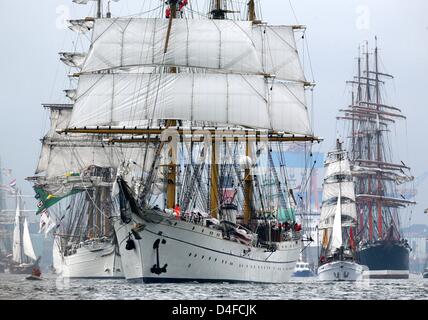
{"points": [[385, 260], [89, 263], [177, 251], [342, 271]]}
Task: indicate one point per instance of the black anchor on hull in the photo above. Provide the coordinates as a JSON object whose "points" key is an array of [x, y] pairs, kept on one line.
{"points": [[156, 269]]}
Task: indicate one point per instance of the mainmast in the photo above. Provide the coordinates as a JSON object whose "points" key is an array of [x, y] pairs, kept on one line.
{"points": [[248, 181], [218, 13], [172, 166], [379, 151]]}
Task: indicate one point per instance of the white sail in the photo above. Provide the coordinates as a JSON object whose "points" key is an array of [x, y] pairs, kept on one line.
{"points": [[59, 119], [81, 26], [331, 190], [28, 244], [73, 59], [63, 154], [17, 243], [66, 157], [210, 44], [336, 235], [225, 45], [252, 101], [349, 215], [277, 50], [337, 167]]}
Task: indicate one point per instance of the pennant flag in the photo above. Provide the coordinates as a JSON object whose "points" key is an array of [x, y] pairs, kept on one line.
{"points": [[12, 184], [48, 200]]}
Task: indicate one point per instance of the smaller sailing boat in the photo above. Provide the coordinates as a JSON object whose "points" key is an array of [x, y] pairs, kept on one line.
{"points": [[338, 217], [24, 259]]}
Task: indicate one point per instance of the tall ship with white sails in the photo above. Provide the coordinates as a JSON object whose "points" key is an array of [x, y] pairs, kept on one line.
{"points": [[370, 118], [338, 221], [207, 100]]}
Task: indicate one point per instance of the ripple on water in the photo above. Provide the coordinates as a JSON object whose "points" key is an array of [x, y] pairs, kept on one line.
{"points": [[16, 287]]}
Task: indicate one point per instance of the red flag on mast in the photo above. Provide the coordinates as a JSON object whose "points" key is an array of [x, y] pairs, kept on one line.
{"points": [[351, 239]]}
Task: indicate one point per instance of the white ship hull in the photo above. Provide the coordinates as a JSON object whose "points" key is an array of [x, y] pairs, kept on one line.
{"points": [[100, 262], [189, 252], [341, 271]]}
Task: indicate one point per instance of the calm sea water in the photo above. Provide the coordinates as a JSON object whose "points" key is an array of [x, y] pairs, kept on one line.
{"points": [[53, 287]]}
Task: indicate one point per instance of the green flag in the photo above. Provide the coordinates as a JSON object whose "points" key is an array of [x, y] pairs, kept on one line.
{"points": [[286, 214], [47, 200]]}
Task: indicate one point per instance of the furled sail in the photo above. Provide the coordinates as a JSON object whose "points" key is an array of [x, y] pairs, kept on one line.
{"points": [[28, 245], [331, 190], [73, 59], [81, 25], [17, 244], [224, 45], [71, 94], [252, 101]]}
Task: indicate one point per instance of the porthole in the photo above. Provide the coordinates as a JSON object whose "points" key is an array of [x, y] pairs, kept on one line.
{"points": [[203, 257], [189, 265], [190, 254], [195, 255]]}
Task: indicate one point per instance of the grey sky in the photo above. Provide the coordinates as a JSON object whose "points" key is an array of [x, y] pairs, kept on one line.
{"points": [[32, 73]]}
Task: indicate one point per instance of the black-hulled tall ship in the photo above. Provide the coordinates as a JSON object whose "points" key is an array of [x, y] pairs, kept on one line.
{"points": [[381, 245]]}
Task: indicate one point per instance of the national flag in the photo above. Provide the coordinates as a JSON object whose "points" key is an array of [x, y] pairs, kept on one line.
{"points": [[47, 199]]}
